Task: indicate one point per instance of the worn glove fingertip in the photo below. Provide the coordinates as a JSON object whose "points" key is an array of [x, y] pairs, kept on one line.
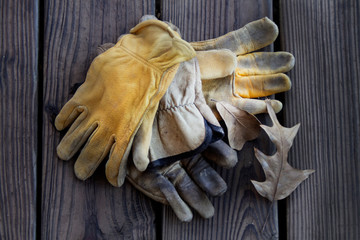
{"points": [[276, 105], [187, 217], [210, 211], [270, 29], [80, 173], [59, 125], [116, 181], [289, 60], [120, 180], [286, 82], [141, 163], [62, 154]]}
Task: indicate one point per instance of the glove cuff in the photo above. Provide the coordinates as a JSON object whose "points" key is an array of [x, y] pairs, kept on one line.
{"points": [[213, 133]]}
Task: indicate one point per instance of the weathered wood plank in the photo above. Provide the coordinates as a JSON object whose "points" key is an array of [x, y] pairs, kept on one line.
{"points": [[72, 209], [324, 36], [18, 118], [241, 212]]}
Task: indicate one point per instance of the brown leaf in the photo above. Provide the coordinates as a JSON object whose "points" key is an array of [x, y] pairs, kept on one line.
{"points": [[241, 125], [281, 178]]}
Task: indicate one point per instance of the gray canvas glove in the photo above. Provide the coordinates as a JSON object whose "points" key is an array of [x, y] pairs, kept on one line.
{"points": [[184, 183]]}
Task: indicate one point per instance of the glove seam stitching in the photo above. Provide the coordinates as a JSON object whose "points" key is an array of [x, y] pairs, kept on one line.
{"points": [[144, 61], [175, 107]]}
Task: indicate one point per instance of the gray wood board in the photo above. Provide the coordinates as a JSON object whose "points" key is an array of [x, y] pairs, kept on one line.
{"points": [[18, 118], [324, 36], [72, 209]]}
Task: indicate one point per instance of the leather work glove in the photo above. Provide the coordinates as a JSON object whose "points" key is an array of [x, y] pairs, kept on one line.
{"points": [[257, 75], [121, 86], [231, 72], [183, 126], [184, 183]]}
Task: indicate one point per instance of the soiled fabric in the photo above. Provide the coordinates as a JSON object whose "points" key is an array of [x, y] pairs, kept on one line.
{"points": [[183, 126], [185, 184], [232, 72], [121, 86]]}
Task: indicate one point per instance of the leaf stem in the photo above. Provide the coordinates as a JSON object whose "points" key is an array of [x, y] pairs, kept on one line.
{"points": [[267, 217]]}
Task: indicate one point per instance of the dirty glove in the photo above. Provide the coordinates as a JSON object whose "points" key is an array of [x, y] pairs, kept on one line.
{"points": [[231, 73], [184, 183], [183, 125], [122, 84]]}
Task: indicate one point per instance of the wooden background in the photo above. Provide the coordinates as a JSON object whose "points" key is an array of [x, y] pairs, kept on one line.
{"points": [[47, 47]]}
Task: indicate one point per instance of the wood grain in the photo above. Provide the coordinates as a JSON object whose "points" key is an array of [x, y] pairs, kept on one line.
{"points": [[324, 36], [18, 118], [72, 209], [240, 212]]}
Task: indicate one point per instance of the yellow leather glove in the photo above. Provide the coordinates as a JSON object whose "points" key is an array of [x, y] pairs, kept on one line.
{"points": [[182, 126], [121, 85], [231, 73]]}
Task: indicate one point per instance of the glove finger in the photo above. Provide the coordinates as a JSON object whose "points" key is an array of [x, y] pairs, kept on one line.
{"points": [[180, 208], [190, 192], [142, 139], [158, 188], [75, 138], [261, 63], [68, 114], [92, 154], [261, 85], [116, 166], [255, 106], [251, 37], [204, 175], [222, 154]]}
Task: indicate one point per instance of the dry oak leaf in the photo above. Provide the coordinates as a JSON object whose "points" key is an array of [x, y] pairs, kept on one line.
{"points": [[281, 178], [242, 126]]}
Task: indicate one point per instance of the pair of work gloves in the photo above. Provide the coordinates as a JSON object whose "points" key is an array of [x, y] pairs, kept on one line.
{"points": [[147, 104]]}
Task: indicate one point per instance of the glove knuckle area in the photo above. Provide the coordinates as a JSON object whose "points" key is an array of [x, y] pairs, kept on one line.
{"points": [[175, 173], [216, 63], [205, 176]]}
